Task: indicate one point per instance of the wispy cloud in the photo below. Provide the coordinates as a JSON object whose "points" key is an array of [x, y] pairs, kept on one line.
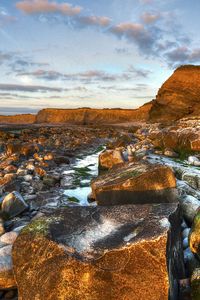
{"points": [[27, 88], [45, 6]]}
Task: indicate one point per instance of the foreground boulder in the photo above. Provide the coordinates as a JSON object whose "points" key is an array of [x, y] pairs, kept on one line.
{"points": [[99, 253], [137, 183]]}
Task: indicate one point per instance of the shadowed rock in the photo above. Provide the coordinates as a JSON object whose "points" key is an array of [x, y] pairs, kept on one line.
{"points": [[99, 253]]}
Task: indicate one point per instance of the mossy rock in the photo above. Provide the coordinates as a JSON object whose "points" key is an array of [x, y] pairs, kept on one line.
{"points": [[195, 284]]}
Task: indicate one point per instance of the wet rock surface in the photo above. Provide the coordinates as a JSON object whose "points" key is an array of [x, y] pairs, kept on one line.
{"points": [[100, 253]]}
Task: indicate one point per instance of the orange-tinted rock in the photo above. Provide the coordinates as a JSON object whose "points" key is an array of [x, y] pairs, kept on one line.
{"points": [[179, 96], [92, 116], [98, 253], [136, 183], [110, 158], [18, 119]]}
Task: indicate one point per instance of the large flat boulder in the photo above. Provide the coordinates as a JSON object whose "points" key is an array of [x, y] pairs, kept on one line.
{"points": [[98, 253], [136, 183]]}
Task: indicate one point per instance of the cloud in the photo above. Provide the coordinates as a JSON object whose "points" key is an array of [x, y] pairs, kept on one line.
{"points": [[27, 88], [89, 76], [43, 74], [4, 57], [94, 21], [137, 33], [182, 55], [139, 72], [45, 6], [17, 110], [150, 18], [146, 1], [5, 17]]}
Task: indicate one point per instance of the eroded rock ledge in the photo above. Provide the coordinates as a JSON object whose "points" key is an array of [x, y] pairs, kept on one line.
{"points": [[99, 253]]}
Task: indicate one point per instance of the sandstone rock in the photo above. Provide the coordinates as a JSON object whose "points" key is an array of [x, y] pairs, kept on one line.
{"points": [[18, 119], [99, 253], [179, 96], [136, 183], [6, 268], [92, 116], [194, 238], [13, 204], [110, 158]]}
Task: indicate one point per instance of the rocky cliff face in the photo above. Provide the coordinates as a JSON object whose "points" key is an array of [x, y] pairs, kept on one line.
{"points": [[18, 119], [179, 96], [92, 116], [80, 116]]}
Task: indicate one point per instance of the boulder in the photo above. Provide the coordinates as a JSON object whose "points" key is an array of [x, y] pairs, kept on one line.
{"points": [[110, 158], [189, 205], [6, 268], [13, 204], [137, 183], [98, 253]]}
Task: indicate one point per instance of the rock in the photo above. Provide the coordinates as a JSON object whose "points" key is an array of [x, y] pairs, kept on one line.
{"points": [[190, 262], [13, 204], [194, 237], [50, 180], [185, 233], [61, 160], [137, 183], [189, 206], [8, 237], [170, 153], [6, 269], [110, 158], [28, 178], [178, 97], [185, 243], [193, 160], [99, 253], [2, 229], [195, 284], [192, 179]]}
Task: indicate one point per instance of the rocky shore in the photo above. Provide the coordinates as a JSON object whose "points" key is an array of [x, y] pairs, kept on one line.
{"points": [[145, 196], [95, 212]]}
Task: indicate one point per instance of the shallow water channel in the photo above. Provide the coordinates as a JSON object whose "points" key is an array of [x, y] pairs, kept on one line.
{"points": [[82, 172]]}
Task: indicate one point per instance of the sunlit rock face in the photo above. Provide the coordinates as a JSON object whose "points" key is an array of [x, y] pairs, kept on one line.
{"points": [[92, 116], [136, 183], [179, 96], [99, 253], [18, 119]]}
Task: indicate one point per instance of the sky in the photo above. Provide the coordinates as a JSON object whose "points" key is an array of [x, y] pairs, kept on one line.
{"points": [[87, 53]]}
